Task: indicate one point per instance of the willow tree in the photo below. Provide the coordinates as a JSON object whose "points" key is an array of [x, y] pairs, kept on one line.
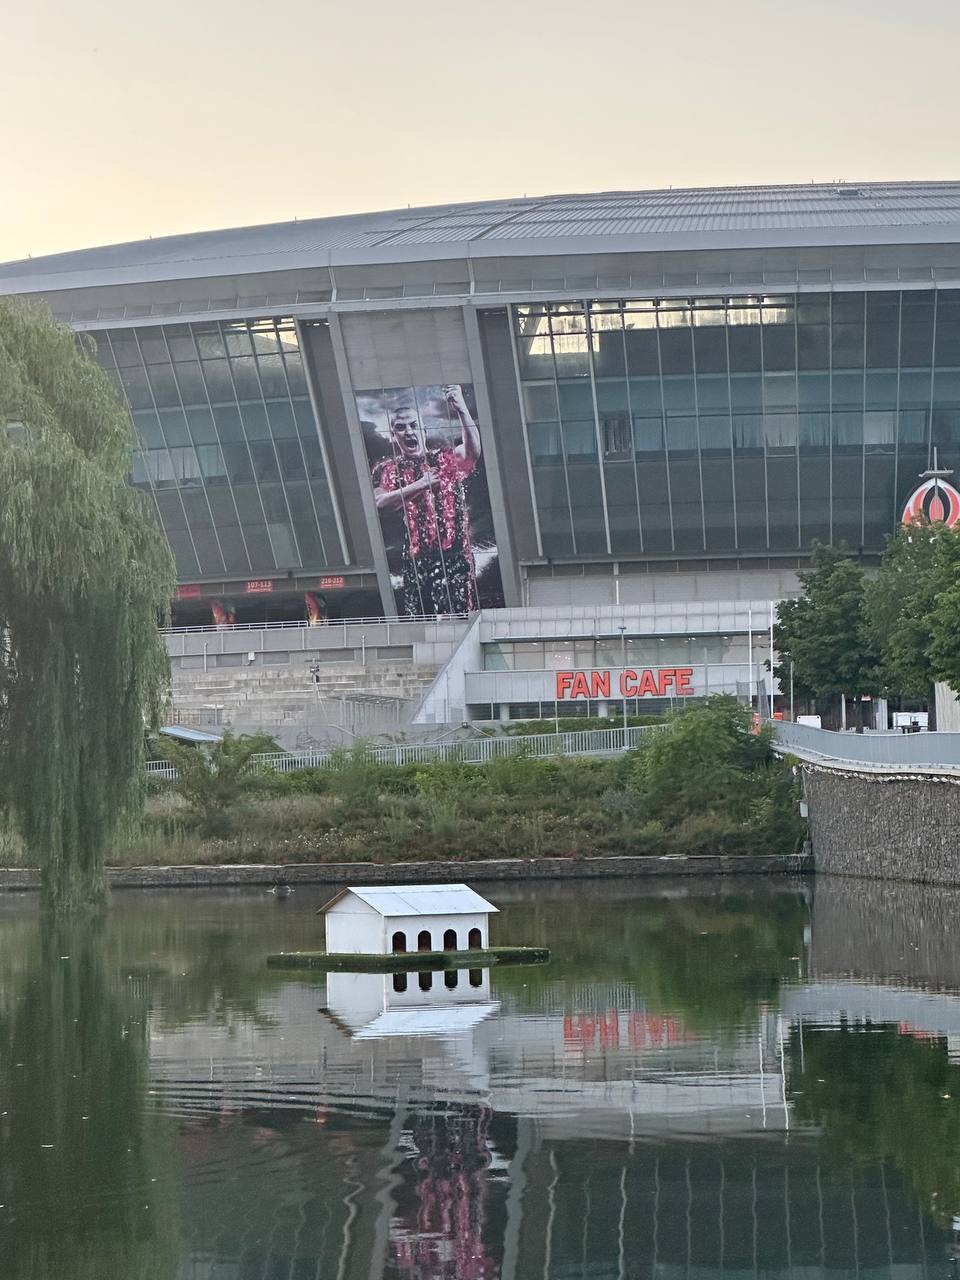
{"points": [[84, 575]]}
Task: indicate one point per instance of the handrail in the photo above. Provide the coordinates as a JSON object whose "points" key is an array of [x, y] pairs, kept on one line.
{"points": [[579, 742], [879, 750], [303, 622]]}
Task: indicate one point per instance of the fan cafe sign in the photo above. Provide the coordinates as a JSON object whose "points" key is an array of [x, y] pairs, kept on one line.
{"points": [[652, 682]]}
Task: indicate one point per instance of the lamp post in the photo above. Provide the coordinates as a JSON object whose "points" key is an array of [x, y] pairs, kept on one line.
{"points": [[623, 664]]}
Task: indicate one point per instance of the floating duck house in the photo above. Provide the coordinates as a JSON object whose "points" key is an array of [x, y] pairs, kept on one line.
{"points": [[411, 917]]}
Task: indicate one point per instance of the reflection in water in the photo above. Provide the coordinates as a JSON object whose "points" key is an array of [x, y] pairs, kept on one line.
{"points": [[86, 1165], [703, 1083]]}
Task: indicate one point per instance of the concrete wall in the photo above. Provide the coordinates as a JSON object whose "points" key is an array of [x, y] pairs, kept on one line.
{"points": [[896, 827]]}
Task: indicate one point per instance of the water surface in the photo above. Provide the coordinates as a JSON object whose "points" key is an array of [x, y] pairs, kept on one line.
{"points": [[740, 1078]]}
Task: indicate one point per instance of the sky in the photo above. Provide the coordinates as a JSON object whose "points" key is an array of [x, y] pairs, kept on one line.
{"points": [[123, 121]]}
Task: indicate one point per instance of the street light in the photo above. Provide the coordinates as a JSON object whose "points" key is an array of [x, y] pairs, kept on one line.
{"points": [[623, 663]]}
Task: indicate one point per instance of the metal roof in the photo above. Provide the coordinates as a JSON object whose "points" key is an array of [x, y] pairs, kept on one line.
{"points": [[183, 734], [417, 900], [620, 221]]}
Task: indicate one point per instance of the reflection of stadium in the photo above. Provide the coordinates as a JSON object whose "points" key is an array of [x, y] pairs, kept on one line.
{"points": [[676, 391], [578, 1144]]}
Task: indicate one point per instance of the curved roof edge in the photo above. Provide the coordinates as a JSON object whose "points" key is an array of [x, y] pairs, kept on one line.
{"points": [[604, 222]]}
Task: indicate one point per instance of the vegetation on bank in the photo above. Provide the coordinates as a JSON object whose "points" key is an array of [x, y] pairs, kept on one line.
{"points": [[705, 783], [895, 633]]}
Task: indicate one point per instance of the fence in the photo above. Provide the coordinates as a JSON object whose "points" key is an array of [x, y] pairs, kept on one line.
{"points": [[897, 750], [584, 742], [296, 624]]}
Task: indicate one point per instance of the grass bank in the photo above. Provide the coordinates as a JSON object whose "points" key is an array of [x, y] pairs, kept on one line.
{"points": [[705, 784]]}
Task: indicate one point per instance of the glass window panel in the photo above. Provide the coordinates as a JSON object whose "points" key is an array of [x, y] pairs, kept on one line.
{"points": [[237, 339], [654, 486], [245, 378], [916, 329], [609, 357], [296, 378], [171, 512], [779, 391], [544, 440], [238, 464], [184, 554], [553, 508], [262, 560], [813, 390], [192, 390], [174, 426], [612, 395], [153, 348], [229, 426], [681, 432], [306, 422], [881, 389], [646, 397], [181, 343], [744, 348], [814, 430], [576, 400], [247, 499], [201, 425], [847, 429], [879, 426], [235, 557], [212, 466], [265, 463], [147, 426], [579, 440], [676, 351], [272, 377], [139, 476], [253, 414], [847, 346], [313, 457], [265, 340], [284, 546], [779, 340], [883, 330], [847, 389], [815, 497], [282, 422], [642, 354], [291, 459], [125, 349], [136, 388], [209, 342], [164, 385], [540, 401], [216, 374], [715, 432], [208, 551], [648, 434], [571, 352], [710, 349]]}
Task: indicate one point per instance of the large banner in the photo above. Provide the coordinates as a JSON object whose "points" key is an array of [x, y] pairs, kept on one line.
{"points": [[430, 486]]}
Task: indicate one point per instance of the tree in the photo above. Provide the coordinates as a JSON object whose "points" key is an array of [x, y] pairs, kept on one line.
{"points": [[823, 633], [212, 779], [85, 575], [944, 646], [920, 568]]}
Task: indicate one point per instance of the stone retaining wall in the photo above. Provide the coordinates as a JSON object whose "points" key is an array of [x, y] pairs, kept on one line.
{"points": [[194, 877], [892, 827]]}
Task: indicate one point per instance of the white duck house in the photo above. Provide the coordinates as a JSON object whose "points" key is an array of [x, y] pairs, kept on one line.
{"points": [[413, 917]]}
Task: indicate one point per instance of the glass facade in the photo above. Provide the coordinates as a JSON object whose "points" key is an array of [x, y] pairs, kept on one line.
{"points": [[738, 424], [229, 448], [602, 652]]}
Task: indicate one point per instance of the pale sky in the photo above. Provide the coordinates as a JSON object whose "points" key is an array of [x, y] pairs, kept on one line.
{"points": [[127, 120]]}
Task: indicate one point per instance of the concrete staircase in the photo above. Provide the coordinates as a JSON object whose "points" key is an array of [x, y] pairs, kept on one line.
{"points": [[347, 700]]}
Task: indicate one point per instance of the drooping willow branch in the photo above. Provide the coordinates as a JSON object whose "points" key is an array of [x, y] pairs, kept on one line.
{"points": [[84, 575]]}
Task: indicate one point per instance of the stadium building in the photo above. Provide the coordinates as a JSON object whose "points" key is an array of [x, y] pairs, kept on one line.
{"points": [[639, 408]]}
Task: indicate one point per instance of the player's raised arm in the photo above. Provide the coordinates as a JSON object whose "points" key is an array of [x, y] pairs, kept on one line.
{"points": [[469, 447]]}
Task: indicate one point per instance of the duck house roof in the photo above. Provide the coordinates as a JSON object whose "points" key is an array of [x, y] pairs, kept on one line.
{"points": [[417, 900]]}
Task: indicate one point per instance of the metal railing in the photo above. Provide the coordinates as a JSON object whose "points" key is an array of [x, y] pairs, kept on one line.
{"points": [[301, 623], [584, 742], [879, 750]]}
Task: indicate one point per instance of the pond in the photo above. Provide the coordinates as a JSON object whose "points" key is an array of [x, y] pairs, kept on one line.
{"points": [[730, 1078]]}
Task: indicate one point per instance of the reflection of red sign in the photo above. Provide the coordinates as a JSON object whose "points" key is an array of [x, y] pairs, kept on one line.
{"points": [[189, 591], [258, 586], [936, 500], [332, 584], [612, 1029], [664, 682]]}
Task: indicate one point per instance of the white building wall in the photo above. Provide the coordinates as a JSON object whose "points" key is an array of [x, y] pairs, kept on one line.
{"points": [[353, 928], [436, 926]]}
